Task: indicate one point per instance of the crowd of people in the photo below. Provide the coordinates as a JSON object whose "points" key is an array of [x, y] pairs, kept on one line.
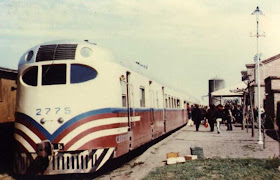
{"points": [[214, 114]]}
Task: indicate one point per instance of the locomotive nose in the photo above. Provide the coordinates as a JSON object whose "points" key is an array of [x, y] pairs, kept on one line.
{"points": [[44, 149]]}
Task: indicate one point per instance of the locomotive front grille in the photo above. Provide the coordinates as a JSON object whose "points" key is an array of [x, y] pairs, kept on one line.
{"points": [[63, 163], [74, 162], [56, 52]]}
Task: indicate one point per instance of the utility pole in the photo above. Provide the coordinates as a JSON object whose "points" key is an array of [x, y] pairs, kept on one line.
{"points": [[258, 12]]}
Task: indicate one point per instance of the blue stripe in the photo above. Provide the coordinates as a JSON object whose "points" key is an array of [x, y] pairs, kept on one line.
{"points": [[34, 123], [175, 110], [51, 137], [75, 119], [85, 115]]}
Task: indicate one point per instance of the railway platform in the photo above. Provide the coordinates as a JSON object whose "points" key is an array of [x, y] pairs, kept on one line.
{"points": [[228, 144]]}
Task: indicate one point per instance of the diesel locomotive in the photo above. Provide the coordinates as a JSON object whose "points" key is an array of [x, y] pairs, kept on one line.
{"points": [[77, 108]]}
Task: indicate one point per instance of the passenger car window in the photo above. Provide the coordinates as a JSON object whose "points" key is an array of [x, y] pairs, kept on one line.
{"points": [[30, 76], [54, 74], [81, 73]]}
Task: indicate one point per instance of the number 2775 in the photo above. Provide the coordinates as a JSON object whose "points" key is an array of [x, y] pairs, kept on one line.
{"points": [[56, 110]]}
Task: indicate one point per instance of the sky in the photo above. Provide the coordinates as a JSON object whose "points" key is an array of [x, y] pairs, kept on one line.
{"points": [[183, 43]]}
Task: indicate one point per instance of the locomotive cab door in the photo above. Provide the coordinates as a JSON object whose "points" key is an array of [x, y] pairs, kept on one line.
{"points": [[130, 108], [164, 116], [129, 97]]}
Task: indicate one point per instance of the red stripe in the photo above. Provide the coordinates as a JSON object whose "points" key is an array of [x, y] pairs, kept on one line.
{"points": [[83, 121], [31, 128], [26, 137], [94, 129], [99, 143]]}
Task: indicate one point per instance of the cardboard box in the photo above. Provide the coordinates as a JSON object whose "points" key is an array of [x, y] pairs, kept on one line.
{"points": [[180, 159], [172, 155], [171, 160], [191, 157]]}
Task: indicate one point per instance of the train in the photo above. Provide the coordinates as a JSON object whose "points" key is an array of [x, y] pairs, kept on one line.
{"points": [[77, 108]]}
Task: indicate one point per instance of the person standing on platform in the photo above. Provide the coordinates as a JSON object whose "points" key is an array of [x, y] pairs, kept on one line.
{"points": [[211, 116], [196, 116], [203, 110], [263, 117], [220, 117], [228, 117], [189, 110], [239, 115], [192, 108]]}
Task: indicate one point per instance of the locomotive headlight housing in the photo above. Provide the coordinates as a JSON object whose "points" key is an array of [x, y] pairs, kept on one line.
{"points": [[42, 121], [86, 52], [60, 120], [29, 55]]}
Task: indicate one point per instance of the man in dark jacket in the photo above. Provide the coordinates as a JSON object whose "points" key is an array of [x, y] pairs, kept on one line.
{"points": [[238, 114], [211, 116], [196, 116], [228, 117]]}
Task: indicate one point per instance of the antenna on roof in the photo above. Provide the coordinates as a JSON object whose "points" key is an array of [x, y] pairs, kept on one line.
{"points": [[142, 65], [86, 40]]}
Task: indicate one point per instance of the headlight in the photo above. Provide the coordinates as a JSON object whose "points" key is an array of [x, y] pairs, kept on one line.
{"points": [[86, 52], [29, 55], [42, 121], [60, 120]]}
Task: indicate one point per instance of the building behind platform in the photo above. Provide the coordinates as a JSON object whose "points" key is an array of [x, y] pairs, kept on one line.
{"points": [[269, 87]]}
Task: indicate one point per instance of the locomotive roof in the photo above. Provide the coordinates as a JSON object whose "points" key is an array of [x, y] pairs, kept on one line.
{"points": [[109, 57], [72, 45], [68, 41]]}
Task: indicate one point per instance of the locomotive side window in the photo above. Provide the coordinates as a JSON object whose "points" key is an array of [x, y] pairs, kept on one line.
{"points": [[123, 87], [169, 102], [30, 76], [142, 97], [54, 74], [81, 73]]}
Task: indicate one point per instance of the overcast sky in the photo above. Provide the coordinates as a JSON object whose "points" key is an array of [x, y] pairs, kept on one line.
{"points": [[183, 42]]}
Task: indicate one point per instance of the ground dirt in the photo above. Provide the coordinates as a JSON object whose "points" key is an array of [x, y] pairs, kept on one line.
{"points": [[228, 144]]}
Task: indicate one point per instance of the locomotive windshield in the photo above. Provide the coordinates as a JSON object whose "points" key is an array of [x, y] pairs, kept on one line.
{"points": [[30, 76], [81, 73], [56, 74]]}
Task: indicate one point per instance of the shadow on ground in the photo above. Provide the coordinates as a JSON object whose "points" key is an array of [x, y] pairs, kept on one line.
{"points": [[273, 134]]}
